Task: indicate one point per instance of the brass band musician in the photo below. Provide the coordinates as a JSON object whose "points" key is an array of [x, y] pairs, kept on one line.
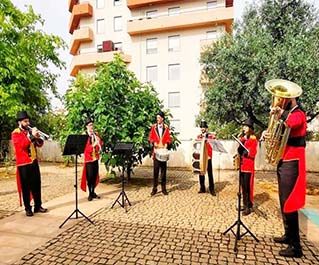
{"points": [[206, 159], [287, 151], [247, 166], [90, 174]]}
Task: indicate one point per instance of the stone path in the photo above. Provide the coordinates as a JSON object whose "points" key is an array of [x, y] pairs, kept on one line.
{"points": [[182, 228]]}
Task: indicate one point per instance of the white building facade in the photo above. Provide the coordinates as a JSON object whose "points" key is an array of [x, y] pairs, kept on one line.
{"points": [[161, 42]]}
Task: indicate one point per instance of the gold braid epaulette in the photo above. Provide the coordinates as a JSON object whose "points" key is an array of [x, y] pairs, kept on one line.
{"points": [[17, 130]]}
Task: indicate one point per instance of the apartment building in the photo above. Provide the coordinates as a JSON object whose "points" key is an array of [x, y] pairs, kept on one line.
{"points": [[161, 41]]}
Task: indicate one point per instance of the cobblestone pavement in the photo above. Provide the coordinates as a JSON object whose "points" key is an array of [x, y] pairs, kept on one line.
{"points": [[57, 180], [182, 228]]}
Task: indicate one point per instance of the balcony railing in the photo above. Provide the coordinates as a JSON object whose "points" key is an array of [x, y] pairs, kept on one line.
{"points": [[140, 3], [79, 36], [79, 11], [186, 19], [89, 60]]}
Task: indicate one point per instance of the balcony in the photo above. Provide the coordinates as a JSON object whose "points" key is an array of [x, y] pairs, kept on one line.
{"points": [[79, 36], [72, 3], [79, 11], [186, 19], [131, 4], [89, 60]]}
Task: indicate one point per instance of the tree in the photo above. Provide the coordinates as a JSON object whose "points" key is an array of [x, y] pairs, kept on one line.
{"points": [[122, 108], [25, 54], [276, 39]]}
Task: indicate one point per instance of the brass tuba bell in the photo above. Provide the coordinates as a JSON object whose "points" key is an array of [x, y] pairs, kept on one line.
{"points": [[277, 131]]}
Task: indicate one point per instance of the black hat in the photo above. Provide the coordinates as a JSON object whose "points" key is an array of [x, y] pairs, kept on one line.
{"points": [[88, 120], [203, 124], [249, 122], [21, 115], [162, 114]]}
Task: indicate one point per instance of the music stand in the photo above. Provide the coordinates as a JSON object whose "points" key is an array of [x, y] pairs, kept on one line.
{"points": [[125, 151], [75, 145], [218, 147], [238, 222]]}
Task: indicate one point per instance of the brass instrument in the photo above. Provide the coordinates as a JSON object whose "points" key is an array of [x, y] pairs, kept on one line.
{"points": [[96, 142], [43, 135], [277, 131]]}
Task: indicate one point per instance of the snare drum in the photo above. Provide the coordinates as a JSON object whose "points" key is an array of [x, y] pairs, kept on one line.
{"points": [[162, 154]]}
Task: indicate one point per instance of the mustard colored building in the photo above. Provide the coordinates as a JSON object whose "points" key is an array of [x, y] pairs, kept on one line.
{"points": [[161, 41]]}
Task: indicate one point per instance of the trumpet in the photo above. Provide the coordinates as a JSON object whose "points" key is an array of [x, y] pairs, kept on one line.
{"points": [[43, 135]]}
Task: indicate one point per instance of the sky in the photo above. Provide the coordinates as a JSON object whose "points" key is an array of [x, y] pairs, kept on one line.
{"points": [[56, 20]]}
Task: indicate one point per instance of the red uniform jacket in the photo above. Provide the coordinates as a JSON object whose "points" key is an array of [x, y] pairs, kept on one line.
{"points": [[297, 121], [91, 154], [208, 146], [154, 136], [25, 152], [248, 160]]}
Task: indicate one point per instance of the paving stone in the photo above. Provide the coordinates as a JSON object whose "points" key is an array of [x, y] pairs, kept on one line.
{"points": [[182, 228]]}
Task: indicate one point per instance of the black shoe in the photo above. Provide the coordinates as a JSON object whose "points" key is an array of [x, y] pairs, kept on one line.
{"points": [[202, 191], [165, 192], [95, 196], [282, 239], [247, 211], [40, 210], [153, 192], [212, 192], [90, 198], [291, 252], [28, 212]]}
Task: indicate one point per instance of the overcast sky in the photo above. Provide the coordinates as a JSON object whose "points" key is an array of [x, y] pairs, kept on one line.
{"points": [[56, 16]]}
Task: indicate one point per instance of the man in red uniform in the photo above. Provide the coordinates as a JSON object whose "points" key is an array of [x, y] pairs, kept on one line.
{"points": [[247, 166], [291, 172], [159, 137], [206, 136], [90, 174], [25, 141]]}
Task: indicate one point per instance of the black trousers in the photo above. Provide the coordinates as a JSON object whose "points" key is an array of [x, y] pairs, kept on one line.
{"points": [[30, 178], [287, 173], [245, 186], [92, 171], [159, 166], [210, 177]]}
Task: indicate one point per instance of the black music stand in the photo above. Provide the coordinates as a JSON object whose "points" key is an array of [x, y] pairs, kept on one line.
{"points": [[75, 145], [125, 151], [238, 222]]}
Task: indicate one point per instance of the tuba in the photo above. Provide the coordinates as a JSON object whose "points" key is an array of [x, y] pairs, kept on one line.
{"points": [[278, 131]]}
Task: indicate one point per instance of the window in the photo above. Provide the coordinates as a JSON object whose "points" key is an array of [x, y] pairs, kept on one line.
{"points": [[117, 24], [100, 26], [173, 11], [173, 71], [151, 73], [100, 3], [176, 124], [210, 35], [211, 4], [151, 13], [99, 48], [173, 43], [118, 46], [151, 45], [117, 2], [174, 99]]}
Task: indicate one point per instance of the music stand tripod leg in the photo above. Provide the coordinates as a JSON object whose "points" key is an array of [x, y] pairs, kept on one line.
{"points": [[238, 223], [76, 211]]}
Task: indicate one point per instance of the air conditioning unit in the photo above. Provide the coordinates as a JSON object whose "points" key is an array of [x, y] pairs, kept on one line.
{"points": [[107, 46]]}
